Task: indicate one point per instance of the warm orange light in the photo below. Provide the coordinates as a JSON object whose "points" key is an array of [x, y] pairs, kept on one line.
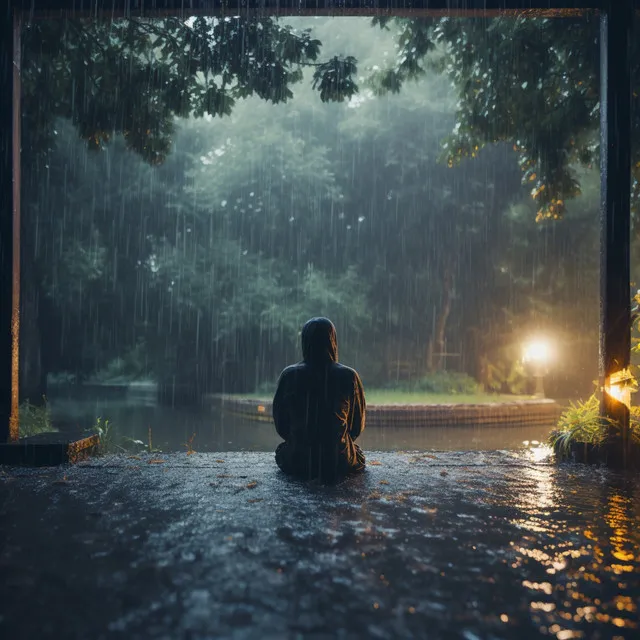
{"points": [[620, 386], [618, 392]]}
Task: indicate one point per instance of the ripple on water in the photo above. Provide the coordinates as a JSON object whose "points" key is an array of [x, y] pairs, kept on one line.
{"points": [[582, 553]]}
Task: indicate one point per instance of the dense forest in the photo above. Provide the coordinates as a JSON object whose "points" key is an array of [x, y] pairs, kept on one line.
{"points": [[194, 191]]}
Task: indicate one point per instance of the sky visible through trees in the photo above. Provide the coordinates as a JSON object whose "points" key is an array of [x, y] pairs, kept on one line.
{"points": [[193, 193]]}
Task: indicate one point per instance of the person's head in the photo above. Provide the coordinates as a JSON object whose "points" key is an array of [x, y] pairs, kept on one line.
{"points": [[319, 341]]}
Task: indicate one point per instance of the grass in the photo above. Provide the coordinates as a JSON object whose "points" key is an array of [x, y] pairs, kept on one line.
{"points": [[110, 442], [104, 430], [392, 396]]}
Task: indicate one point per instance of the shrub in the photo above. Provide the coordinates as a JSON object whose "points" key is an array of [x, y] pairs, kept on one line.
{"points": [[448, 382], [442, 382], [582, 423], [505, 377], [35, 419], [267, 388]]}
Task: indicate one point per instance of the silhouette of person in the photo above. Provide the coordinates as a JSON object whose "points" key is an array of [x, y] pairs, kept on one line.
{"points": [[319, 410]]}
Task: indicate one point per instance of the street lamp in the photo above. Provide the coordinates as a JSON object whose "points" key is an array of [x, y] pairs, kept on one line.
{"points": [[537, 354]]}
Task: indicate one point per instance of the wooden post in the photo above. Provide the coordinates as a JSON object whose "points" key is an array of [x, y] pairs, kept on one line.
{"points": [[615, 166], [9, 222]]}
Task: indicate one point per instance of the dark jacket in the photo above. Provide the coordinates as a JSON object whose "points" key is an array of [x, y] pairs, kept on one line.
{"points": [[319, 406]]}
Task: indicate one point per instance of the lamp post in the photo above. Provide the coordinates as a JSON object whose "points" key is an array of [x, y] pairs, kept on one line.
{"points": [[537, 354]]}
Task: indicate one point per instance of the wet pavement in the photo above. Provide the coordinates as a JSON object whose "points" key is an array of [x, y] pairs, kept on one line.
{"points": [[467, 545]]}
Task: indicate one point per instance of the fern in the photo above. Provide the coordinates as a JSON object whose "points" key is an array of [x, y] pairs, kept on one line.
{"points": [[582, 423]]}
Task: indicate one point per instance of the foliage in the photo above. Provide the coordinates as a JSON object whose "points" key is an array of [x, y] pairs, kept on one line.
{"points": [[544, 101], [582, 423], [448, 382], [131, 366], [201, 269], [104, 429], [110, 442], [635, 424], [266, 388], [35, 419], [442, 382], [635, 326], [334, 79], [134, 76], [505, 376]]}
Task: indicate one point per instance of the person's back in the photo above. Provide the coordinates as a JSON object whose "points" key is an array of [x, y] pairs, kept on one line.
{"points": [[319, 410]]}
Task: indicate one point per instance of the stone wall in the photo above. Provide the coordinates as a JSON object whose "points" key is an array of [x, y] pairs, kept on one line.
{"points": [[514, 414]]}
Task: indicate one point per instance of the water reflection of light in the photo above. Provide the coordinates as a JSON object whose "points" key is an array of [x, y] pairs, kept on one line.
{"points": [[541, 495], [592, 572], [540, 452]]}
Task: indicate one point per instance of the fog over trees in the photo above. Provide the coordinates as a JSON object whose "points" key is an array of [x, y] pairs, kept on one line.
{"points": [[193, 192]]}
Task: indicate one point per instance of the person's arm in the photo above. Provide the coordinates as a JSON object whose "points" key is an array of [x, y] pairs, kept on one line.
{"points": [[358, 408], [280, 409]]}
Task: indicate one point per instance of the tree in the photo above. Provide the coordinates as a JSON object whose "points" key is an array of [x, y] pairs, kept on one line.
{"points": [[533, 83], [417, 228], [204, 250], [135, 76], [130, 78], [238, 250]]}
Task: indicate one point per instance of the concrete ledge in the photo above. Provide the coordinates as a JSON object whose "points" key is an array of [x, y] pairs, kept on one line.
{"points": [[49, 449], [524, 412]]}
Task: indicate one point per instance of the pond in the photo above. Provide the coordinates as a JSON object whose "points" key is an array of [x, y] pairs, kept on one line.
{"points": [[136, 414]]}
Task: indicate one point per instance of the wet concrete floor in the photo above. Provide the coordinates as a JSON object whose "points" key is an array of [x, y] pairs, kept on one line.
{"points": [[467, 545]]}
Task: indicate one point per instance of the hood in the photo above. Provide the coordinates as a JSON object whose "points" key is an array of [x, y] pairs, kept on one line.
{"points": [[319, 341]]}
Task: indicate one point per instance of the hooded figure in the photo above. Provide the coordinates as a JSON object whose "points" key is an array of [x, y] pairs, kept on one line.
{"points": [[319, 410]]}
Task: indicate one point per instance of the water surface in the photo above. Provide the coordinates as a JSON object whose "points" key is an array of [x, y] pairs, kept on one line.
{"points": [[138, 415]]}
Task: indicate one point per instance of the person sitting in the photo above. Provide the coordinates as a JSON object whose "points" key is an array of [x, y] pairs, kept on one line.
{"points": [[319, 410]]}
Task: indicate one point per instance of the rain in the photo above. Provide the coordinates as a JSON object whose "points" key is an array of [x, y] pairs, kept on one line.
{"points": [[176, 258], [193, 190]]}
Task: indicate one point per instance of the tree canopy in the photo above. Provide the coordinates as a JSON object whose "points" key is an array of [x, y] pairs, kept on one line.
{"points": [[199, 219], [533, 83], [134, 76]]}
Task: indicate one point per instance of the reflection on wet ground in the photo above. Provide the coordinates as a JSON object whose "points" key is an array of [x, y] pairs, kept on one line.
{"points": [[424, 545], [220, 431]]}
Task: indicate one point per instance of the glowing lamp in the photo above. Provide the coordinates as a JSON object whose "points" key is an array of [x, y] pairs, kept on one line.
{"points": [[620, 385], [537, 351]]}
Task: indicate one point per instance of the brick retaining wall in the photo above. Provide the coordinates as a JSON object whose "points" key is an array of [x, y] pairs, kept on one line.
{"points": [[514, 414]]}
